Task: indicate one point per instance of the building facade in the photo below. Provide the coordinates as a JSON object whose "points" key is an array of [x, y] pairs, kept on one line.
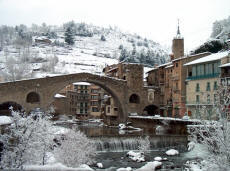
{"points": [[202, 83], [170, 78]]}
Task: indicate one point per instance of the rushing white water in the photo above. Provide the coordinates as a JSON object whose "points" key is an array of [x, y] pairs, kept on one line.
{"points": [[120, 144]]}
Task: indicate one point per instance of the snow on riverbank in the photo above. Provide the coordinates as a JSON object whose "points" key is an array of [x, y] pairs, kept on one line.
{"points": [[5, 120], [150, 166], [136, 156], [172, 152], [57, 167]]}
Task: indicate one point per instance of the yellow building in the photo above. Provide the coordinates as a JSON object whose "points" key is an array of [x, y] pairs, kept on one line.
{"points": [[203, 76]]}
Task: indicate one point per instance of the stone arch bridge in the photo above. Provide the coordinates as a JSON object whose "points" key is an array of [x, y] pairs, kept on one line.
{"points": [[47, 87]]}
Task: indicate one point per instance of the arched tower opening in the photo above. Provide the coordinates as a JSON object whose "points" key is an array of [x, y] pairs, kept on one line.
{"points": [[134, 98]]}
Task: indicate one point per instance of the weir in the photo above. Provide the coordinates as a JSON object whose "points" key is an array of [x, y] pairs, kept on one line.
{"points": [[120, 144]]}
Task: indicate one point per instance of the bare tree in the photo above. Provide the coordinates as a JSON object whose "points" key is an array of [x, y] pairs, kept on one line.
{"points": [[215, 135], [27, 141], [75, 149]]}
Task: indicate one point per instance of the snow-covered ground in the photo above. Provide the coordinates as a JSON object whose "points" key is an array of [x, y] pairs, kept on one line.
{"points": [[88, 54], [5, 120]]}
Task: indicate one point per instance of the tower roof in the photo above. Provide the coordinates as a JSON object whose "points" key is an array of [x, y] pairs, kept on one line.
{"points": [[178, 35]]}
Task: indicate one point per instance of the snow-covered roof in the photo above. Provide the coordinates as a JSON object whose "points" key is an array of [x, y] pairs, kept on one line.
{"points": [[225, 65], [189, 56], [4, 120], [209, 58], [170, 66], [81, 83], [162, 65], [59, 96]]}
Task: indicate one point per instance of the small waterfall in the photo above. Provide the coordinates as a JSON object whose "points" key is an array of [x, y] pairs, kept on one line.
{"points": [[119, 144]]}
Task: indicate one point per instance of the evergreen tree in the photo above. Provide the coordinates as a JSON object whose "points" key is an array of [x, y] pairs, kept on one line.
{"points": [[69, 37], [124, 54], [103, 38]]}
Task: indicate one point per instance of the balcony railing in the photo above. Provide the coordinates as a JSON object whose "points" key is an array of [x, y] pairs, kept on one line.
{"points": [[195, 103], [203, 76]]}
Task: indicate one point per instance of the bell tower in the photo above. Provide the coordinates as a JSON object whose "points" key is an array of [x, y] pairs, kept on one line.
{"points": [[178, 44]]}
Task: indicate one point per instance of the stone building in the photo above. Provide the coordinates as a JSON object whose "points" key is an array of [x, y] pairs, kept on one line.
{"points": [[202, 83], [96, 100], [81, 99], [141, 99], [170, 78]]}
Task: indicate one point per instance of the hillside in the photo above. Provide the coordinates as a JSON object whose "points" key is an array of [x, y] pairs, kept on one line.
{"points": [[219, 38], [40, 50]]}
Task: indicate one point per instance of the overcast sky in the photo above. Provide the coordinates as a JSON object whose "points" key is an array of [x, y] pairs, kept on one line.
{"points": [[154, 19]]}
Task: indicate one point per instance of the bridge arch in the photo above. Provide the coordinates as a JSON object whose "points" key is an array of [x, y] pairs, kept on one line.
{"points": [[116, 88], [4, 107]]}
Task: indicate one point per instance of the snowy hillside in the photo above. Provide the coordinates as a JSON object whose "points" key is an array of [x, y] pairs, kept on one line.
{"points": [[41, 50]]}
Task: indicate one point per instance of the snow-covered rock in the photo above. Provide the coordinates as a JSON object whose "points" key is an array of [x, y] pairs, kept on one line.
{"points": [[59, 96], [5, 120], [172, 152], [191, 145], [185, 117], [136, 156], [121, 126], [150, 166], [158, 159], [99, 165], [125, 169]]}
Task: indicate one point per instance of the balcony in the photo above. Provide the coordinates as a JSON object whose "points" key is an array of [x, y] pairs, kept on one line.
{"points": [[203, 76], [195, 103]]}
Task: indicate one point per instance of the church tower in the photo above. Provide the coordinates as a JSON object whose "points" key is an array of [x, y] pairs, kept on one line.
{"points": [[178, 44]]}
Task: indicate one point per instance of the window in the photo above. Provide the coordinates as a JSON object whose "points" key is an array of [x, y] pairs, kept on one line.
{"points": [[208, 86], [86, 104], [81, 104], [108, 110], [198, 70], [201, 69], [216, 68], [81, 111], [197, 87], [215, 98], [95, 109], [194, 71], [93, 97], [197, 98], [176, 64], [94, 91], [208, 99], [94, 103], [215, 85], [82, 86]]}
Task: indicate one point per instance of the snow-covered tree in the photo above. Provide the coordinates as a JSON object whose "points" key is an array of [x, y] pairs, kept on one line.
{"points": [[69, 36], [27, 140], [15, 71], [75, 149], [215, 135]]}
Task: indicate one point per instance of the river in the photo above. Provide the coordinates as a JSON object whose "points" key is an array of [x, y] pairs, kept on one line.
{"points": [[113, 145]]}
